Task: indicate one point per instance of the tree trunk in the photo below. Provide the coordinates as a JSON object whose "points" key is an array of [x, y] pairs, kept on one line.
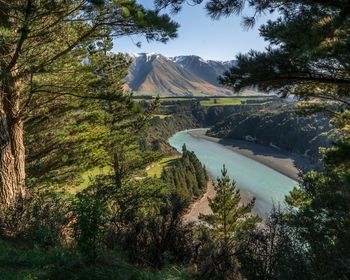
{"points": [[12, 152]]}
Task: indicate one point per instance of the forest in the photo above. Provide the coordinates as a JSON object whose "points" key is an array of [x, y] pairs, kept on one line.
{"points": [[75, 198], [280, 126]]}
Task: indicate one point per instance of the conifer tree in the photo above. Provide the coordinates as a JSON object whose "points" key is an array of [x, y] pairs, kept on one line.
{"points": [[229, 218], [43, 50]]}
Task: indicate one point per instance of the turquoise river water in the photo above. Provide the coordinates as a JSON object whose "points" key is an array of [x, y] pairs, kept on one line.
{"points": [[253, 178]]}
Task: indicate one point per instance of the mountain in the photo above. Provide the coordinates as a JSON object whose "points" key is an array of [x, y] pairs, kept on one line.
{"points": [[152, 73], [207, 70]]}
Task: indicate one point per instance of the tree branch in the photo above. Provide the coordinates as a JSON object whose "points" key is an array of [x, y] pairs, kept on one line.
{"points": [[23, 37]]}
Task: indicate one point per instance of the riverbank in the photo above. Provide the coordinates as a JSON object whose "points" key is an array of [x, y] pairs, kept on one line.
{"points": [[200, 206], [280, 161]]}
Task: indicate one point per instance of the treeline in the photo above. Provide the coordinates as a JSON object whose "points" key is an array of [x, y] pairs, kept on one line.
{"points": [[186, 176], [279, 126], [180, 115]]}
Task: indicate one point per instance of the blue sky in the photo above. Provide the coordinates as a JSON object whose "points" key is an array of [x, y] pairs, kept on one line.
{"points": [[200, 35]]}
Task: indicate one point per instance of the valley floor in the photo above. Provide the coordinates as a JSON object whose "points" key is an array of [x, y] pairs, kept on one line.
{"points": [[286, 163]]}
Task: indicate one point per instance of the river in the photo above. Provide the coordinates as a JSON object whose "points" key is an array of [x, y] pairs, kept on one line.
{"points": [[268, 186]]}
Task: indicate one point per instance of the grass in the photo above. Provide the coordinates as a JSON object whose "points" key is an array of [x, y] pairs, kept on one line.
{"points": [[87, 179], [223, 102], [162, 117], [206, 101], [18, 261], [155, 169], [154, 94]]}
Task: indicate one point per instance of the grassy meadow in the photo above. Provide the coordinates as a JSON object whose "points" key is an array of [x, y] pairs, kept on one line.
{"points": [[155, 169]]}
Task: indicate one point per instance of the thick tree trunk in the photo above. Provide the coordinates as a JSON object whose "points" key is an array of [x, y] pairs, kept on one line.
{"points": [[12, 161], [12, 152]]}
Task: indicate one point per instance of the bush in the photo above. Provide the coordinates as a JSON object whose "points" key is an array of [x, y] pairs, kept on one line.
{"points": [[41, 218], [91, 217]]}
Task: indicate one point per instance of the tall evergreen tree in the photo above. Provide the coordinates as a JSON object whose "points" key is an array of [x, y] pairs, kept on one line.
{"points": [[230, 217], [312, 63], [43, 46], [76, 129]]}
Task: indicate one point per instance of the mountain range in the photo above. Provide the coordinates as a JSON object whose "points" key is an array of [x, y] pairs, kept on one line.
{"points": [[155, 74]]}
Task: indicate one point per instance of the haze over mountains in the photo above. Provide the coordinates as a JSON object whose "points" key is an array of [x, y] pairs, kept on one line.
{"points": [[153, 74]]}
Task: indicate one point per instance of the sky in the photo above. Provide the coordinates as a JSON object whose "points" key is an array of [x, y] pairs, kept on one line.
{"points": [[200, 35]]}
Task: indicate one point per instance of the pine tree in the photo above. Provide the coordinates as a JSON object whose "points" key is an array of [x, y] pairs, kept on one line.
{"points": [[230, 217], [43, 50]]}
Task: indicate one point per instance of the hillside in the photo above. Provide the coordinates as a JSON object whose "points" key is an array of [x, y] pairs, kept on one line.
{"points": [[278, 127], [155, 74]]}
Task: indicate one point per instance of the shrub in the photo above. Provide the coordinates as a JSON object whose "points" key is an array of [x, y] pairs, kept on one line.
{"points": [[39, 217]]}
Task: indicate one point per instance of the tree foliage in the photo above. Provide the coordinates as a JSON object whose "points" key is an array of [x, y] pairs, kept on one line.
{"points": [[274, 250], [313, 63], [51, 66], [186, 176], [229, 219], [284, 127]]}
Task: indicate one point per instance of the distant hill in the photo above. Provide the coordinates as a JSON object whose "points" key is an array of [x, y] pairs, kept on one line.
{"points": [[153, 74]]}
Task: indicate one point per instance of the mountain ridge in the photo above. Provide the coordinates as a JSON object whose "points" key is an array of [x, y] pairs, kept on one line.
{"points": [[207, 70], [156, 74]]}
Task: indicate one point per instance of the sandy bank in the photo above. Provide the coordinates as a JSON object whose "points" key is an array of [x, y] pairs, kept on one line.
{"points": [[200, 206], [281, 161]]}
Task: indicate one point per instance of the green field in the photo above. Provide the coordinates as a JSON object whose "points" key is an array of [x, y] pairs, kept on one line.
{"points": [[155, 169], [162, 117], [211, 101], [87, 176], [147, 93], [223, 102]]}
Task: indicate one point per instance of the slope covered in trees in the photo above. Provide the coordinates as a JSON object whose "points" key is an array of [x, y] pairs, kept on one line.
{"points": [[186, 176], [281, 127]]}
